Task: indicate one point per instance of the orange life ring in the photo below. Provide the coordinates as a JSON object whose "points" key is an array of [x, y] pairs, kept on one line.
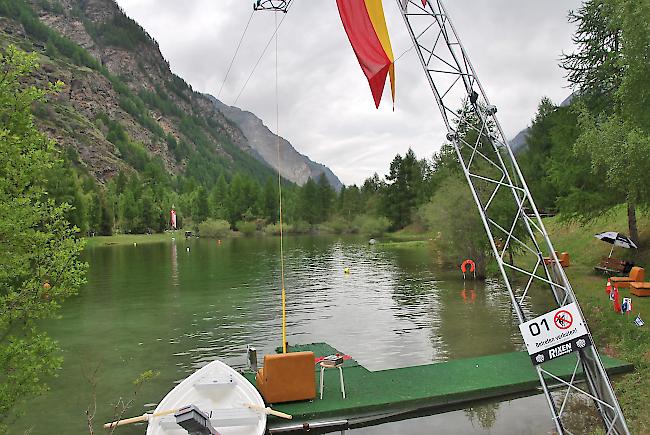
{"points": [[472, 266]]}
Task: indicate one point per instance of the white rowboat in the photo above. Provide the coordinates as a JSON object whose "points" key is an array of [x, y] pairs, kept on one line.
{"points": [[233, 405]]}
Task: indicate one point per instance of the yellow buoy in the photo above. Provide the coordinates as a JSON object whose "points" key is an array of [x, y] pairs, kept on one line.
{"points": [[346, 270]]}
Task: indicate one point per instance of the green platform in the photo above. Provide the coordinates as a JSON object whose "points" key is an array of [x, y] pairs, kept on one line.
{"points": [[389, 392]]}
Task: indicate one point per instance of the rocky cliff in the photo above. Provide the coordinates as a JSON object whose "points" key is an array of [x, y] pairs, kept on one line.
{"points": [[293, 166]]}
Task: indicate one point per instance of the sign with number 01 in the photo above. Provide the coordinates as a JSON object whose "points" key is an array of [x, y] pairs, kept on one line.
{"points": [[555, 334]]}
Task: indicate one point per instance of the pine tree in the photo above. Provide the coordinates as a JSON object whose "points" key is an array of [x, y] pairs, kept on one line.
{"points": [[595, 70], [324, 198]]}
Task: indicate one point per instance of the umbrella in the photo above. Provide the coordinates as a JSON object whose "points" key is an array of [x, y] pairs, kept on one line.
{"points": [[616, 239]]}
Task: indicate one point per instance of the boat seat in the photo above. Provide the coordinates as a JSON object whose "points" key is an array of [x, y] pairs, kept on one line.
{"points": [[219, 418], [212, 384]]}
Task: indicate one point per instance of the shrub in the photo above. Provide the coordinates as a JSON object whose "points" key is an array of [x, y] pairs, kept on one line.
{"points": [[246, 228], [372, 225], [339, 225], [214, 228], [300, 227], [274, 229], [452, 215]]}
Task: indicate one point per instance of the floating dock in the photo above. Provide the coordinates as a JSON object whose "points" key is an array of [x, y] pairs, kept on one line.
{"points": [[389, 394]]}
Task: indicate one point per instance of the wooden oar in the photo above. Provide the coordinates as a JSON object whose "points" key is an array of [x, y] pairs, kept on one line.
{"points": [[143, 417], [268, 411]]}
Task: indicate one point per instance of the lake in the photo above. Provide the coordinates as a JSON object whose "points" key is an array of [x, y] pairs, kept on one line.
{"points": [[173, 307]]}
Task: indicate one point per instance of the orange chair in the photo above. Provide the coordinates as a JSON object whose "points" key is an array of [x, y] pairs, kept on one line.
{"points": [[641, 289], [563, 258], [287, 377], [637, 274]]}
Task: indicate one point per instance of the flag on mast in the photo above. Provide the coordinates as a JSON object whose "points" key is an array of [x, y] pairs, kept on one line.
{"points": [[172, 219], [365, 25]]}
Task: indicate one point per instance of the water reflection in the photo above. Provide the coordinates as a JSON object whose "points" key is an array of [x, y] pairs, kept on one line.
{"points": [[393, 309], [174, 257]]}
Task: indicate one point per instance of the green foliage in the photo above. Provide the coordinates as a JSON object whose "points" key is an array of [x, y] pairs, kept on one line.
{"points": [[56, 44], [200, 210], [595, 69], [214, 228], [246, 228], [453, 217], [119, 31], [43, 268], [619, 153], [634, 92], [548, 162], [406, 188], [374, 226], [593, 154], [52, 6]]}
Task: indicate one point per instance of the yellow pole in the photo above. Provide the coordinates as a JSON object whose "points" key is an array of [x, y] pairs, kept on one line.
{"points": [[277, 126]]}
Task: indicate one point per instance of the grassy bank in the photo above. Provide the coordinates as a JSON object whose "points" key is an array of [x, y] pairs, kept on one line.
{"points": [[616, 335], [129, 239]]}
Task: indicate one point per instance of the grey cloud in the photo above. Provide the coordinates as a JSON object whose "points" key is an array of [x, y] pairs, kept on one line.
{"points": [[326, 107]]}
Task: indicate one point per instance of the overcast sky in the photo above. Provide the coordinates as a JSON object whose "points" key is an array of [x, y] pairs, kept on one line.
{"points": [[326, 109]]}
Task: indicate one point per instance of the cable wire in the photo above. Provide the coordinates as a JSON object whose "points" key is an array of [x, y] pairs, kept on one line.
{"points": [[277, 27], [232, 61]]}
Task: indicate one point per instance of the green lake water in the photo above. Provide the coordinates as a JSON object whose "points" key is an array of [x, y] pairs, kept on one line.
{"points": [[173, 307]]}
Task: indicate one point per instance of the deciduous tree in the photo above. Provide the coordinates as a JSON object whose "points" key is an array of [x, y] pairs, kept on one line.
{"points": [[40, 264]]}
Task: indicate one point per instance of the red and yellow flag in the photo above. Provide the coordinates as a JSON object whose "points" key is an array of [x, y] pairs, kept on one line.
{"points": [[365, 24]]}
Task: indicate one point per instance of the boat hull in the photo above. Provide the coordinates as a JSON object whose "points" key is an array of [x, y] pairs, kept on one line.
{"points": [[220, 393]]}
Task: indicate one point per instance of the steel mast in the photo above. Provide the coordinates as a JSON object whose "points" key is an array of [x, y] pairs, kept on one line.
{"points": [[493, 175], [491, 171]]}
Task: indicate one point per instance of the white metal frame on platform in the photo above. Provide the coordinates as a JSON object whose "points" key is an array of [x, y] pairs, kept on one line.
{"points": [[491, 170]]}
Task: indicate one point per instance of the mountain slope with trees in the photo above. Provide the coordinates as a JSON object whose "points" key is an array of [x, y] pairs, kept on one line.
{"points": [[135, 139]]}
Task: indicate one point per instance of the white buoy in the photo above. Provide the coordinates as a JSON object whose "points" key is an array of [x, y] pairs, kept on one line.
{"points": [[135, 244], [188, 249]]}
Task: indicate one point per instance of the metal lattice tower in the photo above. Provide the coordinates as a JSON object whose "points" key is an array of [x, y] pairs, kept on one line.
{"points": [[495, 179], [493, 175]]}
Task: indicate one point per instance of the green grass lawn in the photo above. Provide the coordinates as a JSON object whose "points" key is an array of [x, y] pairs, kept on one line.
{"points": [[616, 335]]}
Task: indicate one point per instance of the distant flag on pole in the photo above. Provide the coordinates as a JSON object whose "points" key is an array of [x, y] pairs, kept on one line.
{"points": [[626, 305], [172, 219], [614, 296], [613, 293], [638, 320], [365, 25]]}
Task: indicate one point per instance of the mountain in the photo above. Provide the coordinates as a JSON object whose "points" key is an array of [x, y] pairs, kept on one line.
{"points": [[294, 166], [121, 107], [519, 141]]}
